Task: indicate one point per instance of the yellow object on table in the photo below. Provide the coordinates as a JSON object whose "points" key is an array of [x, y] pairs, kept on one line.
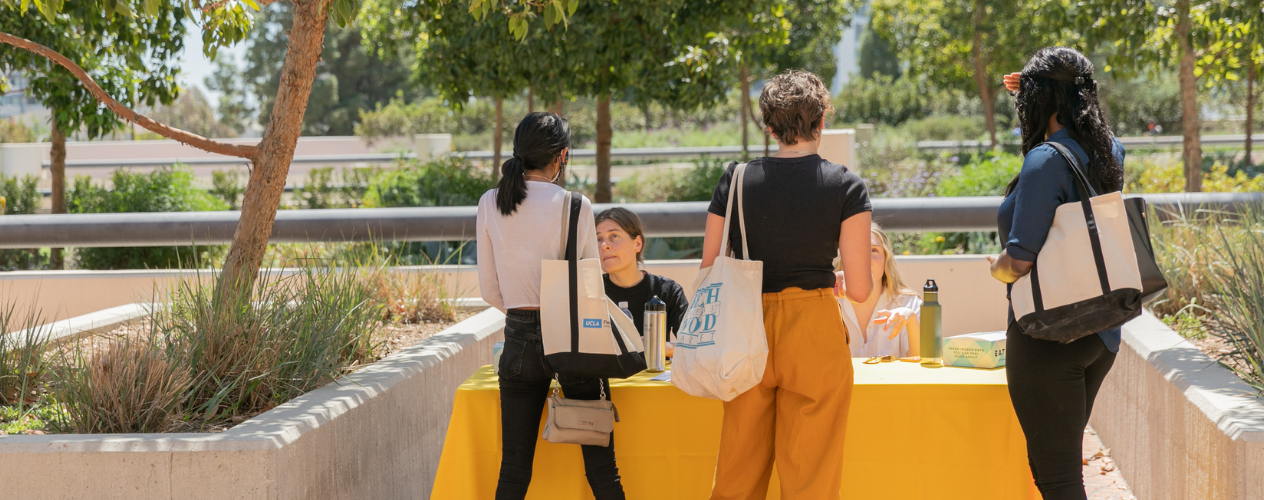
{"points": [[914, 432]]}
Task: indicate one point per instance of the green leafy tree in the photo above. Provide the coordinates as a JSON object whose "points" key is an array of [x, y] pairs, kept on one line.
{"points": [[877, 57], [127, 55], [1199, 37], [349, 78], [226, 22], [966, 45]]}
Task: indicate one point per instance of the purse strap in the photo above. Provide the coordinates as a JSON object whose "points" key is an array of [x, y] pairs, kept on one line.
{"points": [[1085, 189], [735, 191], [575, 203]]}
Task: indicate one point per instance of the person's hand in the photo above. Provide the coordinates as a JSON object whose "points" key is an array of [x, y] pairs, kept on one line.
{"points": [[992, 260], [1011, 81], [840, 286], [896, 320], [671, 349]]}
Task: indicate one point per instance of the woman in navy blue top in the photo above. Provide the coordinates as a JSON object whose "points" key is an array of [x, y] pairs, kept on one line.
{"points": [[1053, 385]]}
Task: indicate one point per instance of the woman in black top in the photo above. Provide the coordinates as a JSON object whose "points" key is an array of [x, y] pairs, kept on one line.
{"points": [[1053, 385], [801, 211], [620, 240]]}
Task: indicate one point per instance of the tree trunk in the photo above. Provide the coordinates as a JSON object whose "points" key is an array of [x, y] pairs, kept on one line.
{"points": [[58, 171], [1189, 102], [604, 135], [531, 99], [557, 108], [1250, 108], [743, 75], [498, 135], [272, 160], [649, 124], [980, 60]]}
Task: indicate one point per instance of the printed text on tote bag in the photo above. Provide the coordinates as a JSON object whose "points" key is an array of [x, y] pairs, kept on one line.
{"points": [[698, 329]]}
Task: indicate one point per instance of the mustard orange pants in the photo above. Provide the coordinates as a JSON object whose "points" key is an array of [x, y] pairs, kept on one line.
{"points": [[797, 415]]}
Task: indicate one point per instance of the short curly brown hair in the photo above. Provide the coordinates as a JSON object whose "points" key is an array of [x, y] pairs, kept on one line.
{"points": [[792, 105]]}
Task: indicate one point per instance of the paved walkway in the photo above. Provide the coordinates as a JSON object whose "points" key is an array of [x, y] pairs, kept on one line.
{"points": [[1102, 480]]}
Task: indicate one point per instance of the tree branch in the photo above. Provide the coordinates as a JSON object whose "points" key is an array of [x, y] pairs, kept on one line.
{"points": [[184, 137]]}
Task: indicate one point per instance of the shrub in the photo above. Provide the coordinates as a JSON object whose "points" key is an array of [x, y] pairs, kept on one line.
{"points": [[1170, 178], [443, 182], [695, 184], [1132, 104], [881, 99], [948, 128], [168, 189], [132, 385], [227, 186], [986, 176], [21, 197], [1238, 281], [325, 189], [13, 131], [22, 359]]}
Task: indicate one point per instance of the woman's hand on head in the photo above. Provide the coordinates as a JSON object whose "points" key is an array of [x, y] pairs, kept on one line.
{"points": [[1012, 81], [894, 321]]}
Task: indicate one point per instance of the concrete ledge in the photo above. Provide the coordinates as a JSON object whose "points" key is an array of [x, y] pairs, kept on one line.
{"points": [[97, 322], [1180, 425], [376, 433]]}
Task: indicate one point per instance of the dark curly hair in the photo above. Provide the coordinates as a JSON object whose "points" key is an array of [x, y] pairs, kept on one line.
{"points": [[1060, 80]]}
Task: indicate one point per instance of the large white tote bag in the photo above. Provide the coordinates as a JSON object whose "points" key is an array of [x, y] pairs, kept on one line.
{"points": [[584, 333], [721, 349], [1086, 277]]}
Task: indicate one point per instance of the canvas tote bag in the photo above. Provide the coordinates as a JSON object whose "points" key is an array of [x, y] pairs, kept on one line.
{"points": [[1086, 278], [584, 333], [721, 350]]}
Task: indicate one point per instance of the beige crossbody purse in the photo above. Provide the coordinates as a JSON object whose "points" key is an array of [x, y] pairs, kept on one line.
{"points": [[575, 421]]}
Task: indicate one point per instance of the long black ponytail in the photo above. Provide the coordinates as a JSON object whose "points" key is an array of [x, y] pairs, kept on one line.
{"points": [[538, 141], [1060, 80]]}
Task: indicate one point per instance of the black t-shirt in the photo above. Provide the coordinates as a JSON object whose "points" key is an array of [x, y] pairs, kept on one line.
{"points": [[667, 290], [794, 211]]}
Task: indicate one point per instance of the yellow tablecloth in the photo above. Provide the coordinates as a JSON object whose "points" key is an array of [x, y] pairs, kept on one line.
{"points": [[913, 433]]}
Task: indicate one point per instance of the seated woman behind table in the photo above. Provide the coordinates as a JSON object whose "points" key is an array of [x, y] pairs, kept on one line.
{"points": [[620, 240], [888, 319]]}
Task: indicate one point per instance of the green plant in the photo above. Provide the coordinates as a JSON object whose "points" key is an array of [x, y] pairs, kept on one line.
{"points": [[325, 189], [1238, 280], [946, 128], [245, 356], [694, 184], [226, 185], [132, 385], [14, 131], [881, 99], [442, 182], [21, 197], [22, 358], [167, 189], [986, 176], [1170, 178]]}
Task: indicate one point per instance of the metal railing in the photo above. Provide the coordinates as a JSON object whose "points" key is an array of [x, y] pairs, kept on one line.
{"points": [[457, 223], [616, 153]]}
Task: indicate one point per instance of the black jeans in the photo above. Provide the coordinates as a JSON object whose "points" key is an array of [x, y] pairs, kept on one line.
{"points": [[524, 387], [1053, 386]]}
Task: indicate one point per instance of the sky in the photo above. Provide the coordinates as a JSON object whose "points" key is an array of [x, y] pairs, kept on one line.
{"points": [[195, 67]]}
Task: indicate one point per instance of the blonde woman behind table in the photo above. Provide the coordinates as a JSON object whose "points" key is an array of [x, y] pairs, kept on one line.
{"points": [[887, 321]]}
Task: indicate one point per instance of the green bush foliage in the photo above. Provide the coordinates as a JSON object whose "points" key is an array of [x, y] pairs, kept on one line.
{"points": [[694, 184], [326, 189], [986, 176], [21, 197], [881, 99], [168, 189], [228, 187], [442, 182]]}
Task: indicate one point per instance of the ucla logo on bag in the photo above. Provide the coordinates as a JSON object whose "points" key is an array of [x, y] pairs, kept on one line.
{"points": [[698, 327], [592, 323]]}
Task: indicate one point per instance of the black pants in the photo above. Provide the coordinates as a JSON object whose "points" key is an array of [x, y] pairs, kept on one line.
{"points": [[1052, 387], [524, 387]]}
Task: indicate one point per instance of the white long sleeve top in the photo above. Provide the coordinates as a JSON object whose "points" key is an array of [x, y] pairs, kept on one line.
{"points": [[511, 248]]}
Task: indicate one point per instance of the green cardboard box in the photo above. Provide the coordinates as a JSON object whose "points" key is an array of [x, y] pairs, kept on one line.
{"points": [[975, 350]]}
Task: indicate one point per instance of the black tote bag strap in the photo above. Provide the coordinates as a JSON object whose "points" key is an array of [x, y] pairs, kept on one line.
{"points": [[572, 264], [1086, 192]]}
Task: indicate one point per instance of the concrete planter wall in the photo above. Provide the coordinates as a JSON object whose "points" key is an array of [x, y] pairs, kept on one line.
{"points": [[377, 433], [1180, 425]]}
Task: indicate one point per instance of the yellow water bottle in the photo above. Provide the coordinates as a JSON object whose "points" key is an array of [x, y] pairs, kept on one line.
{"points": [[932, 348]]}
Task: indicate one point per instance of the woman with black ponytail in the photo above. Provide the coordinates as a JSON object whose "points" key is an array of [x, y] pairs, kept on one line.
{"points": [[1053, 385], [519, 225]]}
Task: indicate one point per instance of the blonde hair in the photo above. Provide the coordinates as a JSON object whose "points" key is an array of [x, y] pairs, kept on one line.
{"points": [[892, 283]]}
